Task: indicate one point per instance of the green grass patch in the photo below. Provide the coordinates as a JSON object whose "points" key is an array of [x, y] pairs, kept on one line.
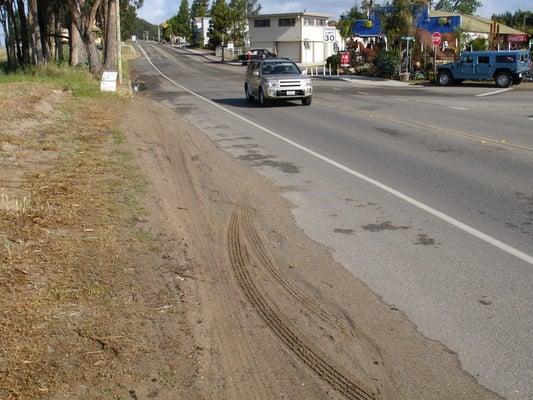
{"points": [[76, 80]]}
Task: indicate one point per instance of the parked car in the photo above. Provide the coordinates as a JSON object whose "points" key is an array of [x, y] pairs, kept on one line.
{"points": [[255, 54], [275, 79], [504, 67]]}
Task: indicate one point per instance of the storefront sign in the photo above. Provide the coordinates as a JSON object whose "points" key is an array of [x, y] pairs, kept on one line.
{"points": [[345, 59], [517, 38]]}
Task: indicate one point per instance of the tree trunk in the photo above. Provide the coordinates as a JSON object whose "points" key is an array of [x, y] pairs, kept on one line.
{"points": [[58, 36], [77, 51], [24, 32], [111, 53], [5, 20], [101, 17], [42, 13], [35, 34], [15, 37], [85, 25]]}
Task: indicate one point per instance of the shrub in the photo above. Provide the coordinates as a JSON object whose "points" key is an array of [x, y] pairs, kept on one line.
{"points": [[334, 62], [478, 44], [386, 63]]}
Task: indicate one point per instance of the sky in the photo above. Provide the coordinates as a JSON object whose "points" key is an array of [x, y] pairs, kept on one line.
{"points": [[157, 11]]}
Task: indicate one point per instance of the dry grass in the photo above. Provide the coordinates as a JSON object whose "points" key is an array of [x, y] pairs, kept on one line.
{"points": [[14, 206], [67, 204]]}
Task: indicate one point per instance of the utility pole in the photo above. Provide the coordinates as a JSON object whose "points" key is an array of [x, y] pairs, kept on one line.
{"points": [[119, 44]]}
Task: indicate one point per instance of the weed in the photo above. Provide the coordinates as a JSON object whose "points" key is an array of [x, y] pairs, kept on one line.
{"points": [[79, 81], [14, 206]]}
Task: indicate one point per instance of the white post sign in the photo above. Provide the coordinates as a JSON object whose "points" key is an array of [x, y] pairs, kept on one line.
{"points": [[330, 35], [109, 81]]}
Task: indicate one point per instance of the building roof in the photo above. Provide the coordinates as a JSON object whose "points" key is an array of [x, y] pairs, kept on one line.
{"points": [[474, 23], [290, 14]]}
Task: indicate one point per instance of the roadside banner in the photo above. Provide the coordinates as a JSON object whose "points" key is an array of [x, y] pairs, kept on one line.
{"points": [[109, 81]]}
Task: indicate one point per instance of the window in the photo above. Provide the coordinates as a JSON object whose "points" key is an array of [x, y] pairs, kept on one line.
{"points": [[279, 68], [261, 23], [309, 21], [287, 22], [483, 60], [505, 59], [468, 60], [321, 22]]}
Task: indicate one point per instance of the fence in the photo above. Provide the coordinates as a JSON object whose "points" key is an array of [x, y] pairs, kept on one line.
{"points": [[231, 53]]}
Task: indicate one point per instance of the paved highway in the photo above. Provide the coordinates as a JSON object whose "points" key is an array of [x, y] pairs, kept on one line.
{"points": [[423, 193]]}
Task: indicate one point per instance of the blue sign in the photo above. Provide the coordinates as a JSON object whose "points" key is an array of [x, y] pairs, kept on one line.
{"points": [[373, 26]]}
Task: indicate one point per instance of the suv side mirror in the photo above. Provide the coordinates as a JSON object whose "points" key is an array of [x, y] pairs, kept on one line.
{"points": [[255, 73]]}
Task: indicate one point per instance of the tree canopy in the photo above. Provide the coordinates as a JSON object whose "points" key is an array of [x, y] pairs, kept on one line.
{"points": [[347, 20], [459, 6]]}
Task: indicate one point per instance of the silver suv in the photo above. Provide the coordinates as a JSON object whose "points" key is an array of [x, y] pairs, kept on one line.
{"points": [[274, 79]]}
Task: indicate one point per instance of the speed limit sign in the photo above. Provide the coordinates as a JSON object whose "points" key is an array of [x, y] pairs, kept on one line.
{"points": [[330, 34]]}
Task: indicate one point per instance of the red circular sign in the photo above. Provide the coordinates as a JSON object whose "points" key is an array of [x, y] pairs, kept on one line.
{"points": [[436, 38]]}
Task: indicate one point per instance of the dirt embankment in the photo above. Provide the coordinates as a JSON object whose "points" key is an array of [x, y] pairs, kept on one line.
{"points": [[89, 300], [178, 273]]}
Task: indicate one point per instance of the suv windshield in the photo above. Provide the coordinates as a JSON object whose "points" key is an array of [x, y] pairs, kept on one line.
{"points": [[282, 67]]}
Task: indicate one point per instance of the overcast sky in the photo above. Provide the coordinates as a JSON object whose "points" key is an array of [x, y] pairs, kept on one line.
{"points": [[156, 11]]}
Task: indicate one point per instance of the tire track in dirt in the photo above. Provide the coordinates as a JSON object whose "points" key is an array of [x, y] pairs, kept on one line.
{"points": [[239, 258], [259, 250]]}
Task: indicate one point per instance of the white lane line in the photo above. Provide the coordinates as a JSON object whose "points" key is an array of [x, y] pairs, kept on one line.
{"points": [[438, 214], [336, 88], [493, 93], [459, 108], [363, 93]]}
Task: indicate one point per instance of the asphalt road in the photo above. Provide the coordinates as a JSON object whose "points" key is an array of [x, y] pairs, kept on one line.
{"points": [[424, 193]]}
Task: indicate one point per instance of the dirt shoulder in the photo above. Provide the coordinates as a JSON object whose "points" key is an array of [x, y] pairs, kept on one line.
{"points": [[90, 301], [272, 314]]}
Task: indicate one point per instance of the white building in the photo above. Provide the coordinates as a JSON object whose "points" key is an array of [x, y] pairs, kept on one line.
{"points": [[303, 37], [202, 27]]}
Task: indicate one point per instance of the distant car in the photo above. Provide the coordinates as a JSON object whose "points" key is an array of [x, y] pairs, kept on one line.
{"points": [[255, 54], [275, 79], [504, 67]]}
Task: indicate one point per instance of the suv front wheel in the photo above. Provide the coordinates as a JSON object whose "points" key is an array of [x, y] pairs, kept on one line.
{"points": [[262, 99], [503, 79], [306, 101], [247, 94], [444, 78]]}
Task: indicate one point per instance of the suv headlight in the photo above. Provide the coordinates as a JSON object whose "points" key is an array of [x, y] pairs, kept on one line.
{"points": [[307, 83], [272, 83]]}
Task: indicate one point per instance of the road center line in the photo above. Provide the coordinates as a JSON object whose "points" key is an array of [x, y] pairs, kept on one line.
{"points": [[459, 108], [493, 93], [363, 93], [444, 217]]}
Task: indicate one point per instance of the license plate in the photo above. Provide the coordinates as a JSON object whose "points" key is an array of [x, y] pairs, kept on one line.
{"points": [[291, 92]]}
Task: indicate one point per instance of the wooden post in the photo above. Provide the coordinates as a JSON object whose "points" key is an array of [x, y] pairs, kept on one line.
{"points": [[119, 45]]}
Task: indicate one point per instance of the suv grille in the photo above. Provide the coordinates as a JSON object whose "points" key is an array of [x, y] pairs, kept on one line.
{"points": [[288, 83]]}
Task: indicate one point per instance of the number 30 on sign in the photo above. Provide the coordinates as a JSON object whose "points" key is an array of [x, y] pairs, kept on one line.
{"points": [[330, 34]]}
